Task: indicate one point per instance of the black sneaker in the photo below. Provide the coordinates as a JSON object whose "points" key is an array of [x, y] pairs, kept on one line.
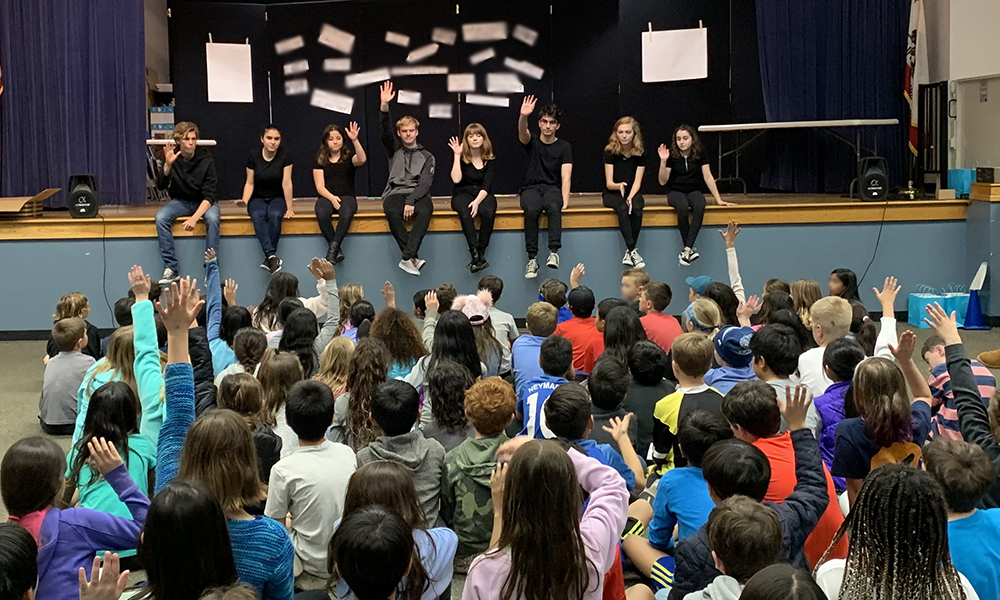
{"points": [[273, 264], [482, 265], [331, 252], [339, 258], [169, 276]]}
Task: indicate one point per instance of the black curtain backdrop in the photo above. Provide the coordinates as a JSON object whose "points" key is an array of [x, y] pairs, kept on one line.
{"points": [[73, 98]]}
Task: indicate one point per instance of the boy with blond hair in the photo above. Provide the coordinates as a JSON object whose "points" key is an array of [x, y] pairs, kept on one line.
{"points": [[542, 319], [831, 319]]}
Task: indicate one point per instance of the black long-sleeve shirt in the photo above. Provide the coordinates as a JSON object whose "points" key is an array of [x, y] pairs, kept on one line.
{"points": [[411, 170], [973, 420], [193, 180]]}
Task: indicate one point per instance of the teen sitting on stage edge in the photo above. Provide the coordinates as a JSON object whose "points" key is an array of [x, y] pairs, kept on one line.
{"points": [[623, 170], [267, 194], [683, 167], [189, 177], [407, 192], [550, 165], [472, 173], [333, 174]]}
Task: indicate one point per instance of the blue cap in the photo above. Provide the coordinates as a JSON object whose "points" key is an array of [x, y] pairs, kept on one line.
{"points": [[733, 346], [699, 283]]}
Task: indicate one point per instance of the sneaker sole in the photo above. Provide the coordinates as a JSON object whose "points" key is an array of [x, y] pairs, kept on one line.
{"points": [[552, 265], [531, 275], [415, 273], [639, 265]]}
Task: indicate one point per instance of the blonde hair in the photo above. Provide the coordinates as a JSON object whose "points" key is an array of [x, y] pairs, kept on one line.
{"points": [[219, 452], [707, 316], [486, 152], [119, 360], [693, 353], [183, 128], [805, 293], [542, 319], [71, 305], [615, 147], [349, 294], [279, 371], [335, 364], [407, 120], [640, 277], [833, 314]]}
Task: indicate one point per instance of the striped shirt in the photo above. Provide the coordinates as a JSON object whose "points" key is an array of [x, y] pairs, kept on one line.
{"points": [[945, 421]]}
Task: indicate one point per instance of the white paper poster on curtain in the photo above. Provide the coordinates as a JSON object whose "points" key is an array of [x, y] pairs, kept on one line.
{"points": [[229, 76], [674, 55]]}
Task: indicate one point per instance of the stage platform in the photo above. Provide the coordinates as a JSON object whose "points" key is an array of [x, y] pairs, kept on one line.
{"points": [[585, 212]]}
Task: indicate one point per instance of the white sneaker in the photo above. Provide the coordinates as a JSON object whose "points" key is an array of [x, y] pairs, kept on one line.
{"points": [[169, 276], [408, 266], [637, 260], [553, 260], [419, 263], [627, 259], [682, 258], [531, 271], [693, 255]]}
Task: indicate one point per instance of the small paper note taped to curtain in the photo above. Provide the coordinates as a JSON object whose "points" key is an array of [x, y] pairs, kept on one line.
{"points": [[462, 82], [289, 45], [229, 74], [444, 36], [295, 87], [674, 55], [332, 101], [439, 111], [338, 39], [408, 97]]}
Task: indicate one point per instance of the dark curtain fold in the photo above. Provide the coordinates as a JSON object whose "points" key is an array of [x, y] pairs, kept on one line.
{"points": [[73, 99], [842, 59]]}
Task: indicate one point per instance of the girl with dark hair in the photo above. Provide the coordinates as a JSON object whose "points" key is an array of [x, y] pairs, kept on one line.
{"points": [[683, 169], [725, 297], [390, 485], [624, 167], [863, 329], [476, 308], [351, 413], [782, 582], [622, 330], [361, 311], [448, 382], [243, 394], [770, 304], [285, 285], [301, 333], [545, 549], [249, 347], [372, 535], [31, 482], [888, 428], [840, 359], [333, 175], [844, 283], [395, 329], [472, 173], [789, 318], [898, 530], [267, 193]]}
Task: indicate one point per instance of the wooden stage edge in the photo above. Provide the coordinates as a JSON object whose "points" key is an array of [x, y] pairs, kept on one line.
{"points": [[585, 212]]}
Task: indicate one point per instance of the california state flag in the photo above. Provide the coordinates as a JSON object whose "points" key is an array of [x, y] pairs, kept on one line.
{"points": [[916, 66]]}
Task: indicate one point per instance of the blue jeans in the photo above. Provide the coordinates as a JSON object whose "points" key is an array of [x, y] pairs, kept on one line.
{"points": [[175, 209], [266, 214]]}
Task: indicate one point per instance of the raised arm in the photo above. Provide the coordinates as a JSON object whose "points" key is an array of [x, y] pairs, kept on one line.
{"points": [[318, 303], [388, 136], [735, 281], [101, 529], [527, 107], [802, 509], [887, 335], [359, 158], [146, 367], [619, 431], [663, 175], [456, 166], [213, 293], [904, 357], [430, 319], [606, 512], [329, 329]]}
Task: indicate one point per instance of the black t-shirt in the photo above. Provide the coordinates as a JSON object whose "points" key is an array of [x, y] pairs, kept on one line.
{"points": [[339, 177], [624, 167], [481, 179], [685, 173], [545, 161], [267, 175]]}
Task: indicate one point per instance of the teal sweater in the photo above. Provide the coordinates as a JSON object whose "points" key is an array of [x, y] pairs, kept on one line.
{"points": [[148, 376], [261, 548]]}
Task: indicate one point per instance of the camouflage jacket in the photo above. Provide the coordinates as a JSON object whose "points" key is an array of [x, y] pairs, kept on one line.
{"points": [[466, 500]]}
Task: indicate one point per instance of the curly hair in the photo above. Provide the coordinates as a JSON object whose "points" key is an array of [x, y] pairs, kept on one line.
{"points": [[447, 383], [369, 369], [395, 329], [490, 404]]}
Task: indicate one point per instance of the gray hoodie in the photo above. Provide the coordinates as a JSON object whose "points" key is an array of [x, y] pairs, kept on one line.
{"points": [[722, 587], [423, 457]]}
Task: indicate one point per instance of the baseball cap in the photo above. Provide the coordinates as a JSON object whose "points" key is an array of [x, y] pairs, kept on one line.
{"points": [[733, 346], [699, 283]]}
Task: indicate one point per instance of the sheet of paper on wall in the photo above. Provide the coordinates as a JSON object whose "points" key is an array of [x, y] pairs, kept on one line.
{"points": [[439, 111], [338, 39], [289, 45], [408, 97], [418, 70], [337, 65], [443, 35], [504, 83], [294, 68], [674, 55], [366, 77], [524, 67], [397, 39], [482, 56], [229, 76], [332, 101], [296, 87], [462, 82], [422, 53], [484, 100], [525, 34], [484, 32]]}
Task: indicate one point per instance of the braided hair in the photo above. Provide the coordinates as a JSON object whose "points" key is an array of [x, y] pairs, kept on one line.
{"points": [[898, 540]]}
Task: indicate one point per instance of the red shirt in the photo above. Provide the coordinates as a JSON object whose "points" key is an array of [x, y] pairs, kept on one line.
{"points": [[781, 455], [661, 329], [588, 342]]}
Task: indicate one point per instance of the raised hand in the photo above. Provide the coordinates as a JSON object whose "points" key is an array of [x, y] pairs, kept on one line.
{"points": [[943, 324], [229, 292], [103, 456], [389, 294], [528, 105], [577, 274], [431, 301], [903, 353], [140, 283], [663, 152], [729, 235], [746, 309], [796, 407], [497, 478], [353, 129], [456, 145], [179, 305], [887, 295], [314, 268], [105, 583], [386, 93], [325, 269], [170, 153], [209, 254], [619, 429]]}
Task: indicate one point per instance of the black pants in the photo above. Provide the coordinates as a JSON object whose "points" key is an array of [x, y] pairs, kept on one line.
{"points": [[57, 429], [345, 214], [409, 241], [536, 199], [478, 241], [690, 205], [629, 224]]}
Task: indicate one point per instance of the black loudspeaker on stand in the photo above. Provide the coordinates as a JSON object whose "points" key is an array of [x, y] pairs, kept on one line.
{"points": [[83, 200], [873, 183]]}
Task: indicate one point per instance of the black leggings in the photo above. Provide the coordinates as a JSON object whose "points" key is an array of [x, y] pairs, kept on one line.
{"points": [[629, 224], [345, 214], [693, 204], [478, 240]]}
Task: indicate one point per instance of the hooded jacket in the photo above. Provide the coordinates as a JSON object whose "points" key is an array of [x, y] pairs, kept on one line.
{"points": [[411, 170], [722, 587], [466, 497], [193, 180], [423, 457]]}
